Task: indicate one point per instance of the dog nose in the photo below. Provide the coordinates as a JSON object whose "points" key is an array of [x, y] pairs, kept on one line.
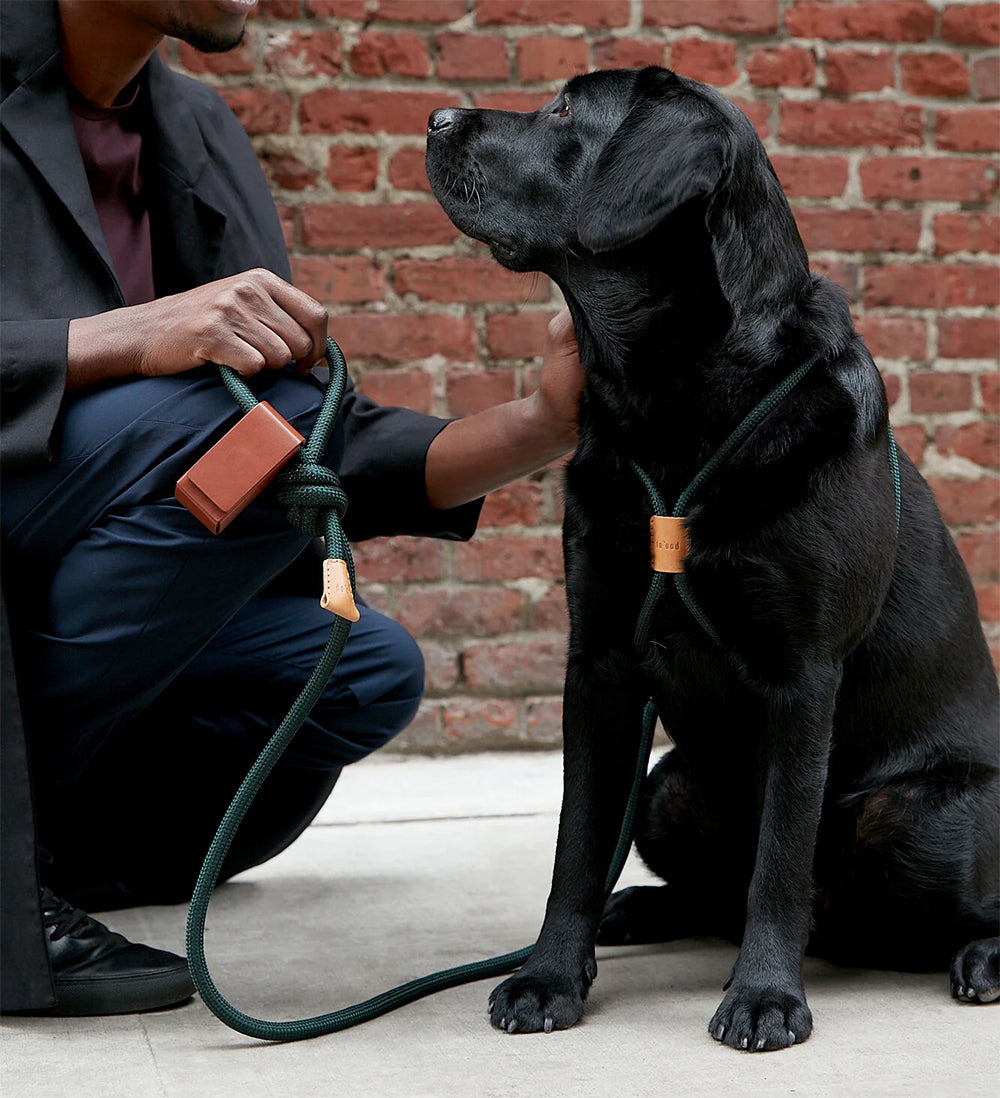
{"points": [[440, 120]]}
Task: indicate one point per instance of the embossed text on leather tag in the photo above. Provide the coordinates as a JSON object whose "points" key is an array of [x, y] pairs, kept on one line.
{"points": [[668, 543], [338, 597]]}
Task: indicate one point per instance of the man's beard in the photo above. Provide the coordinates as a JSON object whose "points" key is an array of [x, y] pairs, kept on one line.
{"points": [[204, 40]]}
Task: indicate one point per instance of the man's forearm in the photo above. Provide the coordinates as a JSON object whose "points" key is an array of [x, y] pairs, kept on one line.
{"points": [[482, 452]]}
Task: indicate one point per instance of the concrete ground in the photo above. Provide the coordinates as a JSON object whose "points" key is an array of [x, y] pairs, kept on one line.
{"points": [[419, 864]]}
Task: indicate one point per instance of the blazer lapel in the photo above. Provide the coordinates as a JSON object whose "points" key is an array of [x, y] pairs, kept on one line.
{"points": [[37, 118]]}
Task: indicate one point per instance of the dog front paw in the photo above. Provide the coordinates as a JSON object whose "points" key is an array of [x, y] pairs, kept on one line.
{"points": [[532, 1002], [975, 972], [761, 1019]]}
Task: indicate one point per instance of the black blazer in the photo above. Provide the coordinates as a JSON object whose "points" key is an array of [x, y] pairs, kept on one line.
{"points": [[211, 216]]}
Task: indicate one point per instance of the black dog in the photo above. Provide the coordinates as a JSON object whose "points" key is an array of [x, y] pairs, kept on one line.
{"points": [[835, 771]]}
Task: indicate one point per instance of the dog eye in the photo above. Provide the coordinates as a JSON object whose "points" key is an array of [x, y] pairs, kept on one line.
{"points": [[564, 110]]}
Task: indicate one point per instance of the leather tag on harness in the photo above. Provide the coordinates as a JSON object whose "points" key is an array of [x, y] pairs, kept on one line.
{"points": [[338, 597], [668, 543], [238, 467]]}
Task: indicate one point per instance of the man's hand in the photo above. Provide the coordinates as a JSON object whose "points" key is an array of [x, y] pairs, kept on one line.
{"points": [[472, 456], [251, 322], [561, 383]]}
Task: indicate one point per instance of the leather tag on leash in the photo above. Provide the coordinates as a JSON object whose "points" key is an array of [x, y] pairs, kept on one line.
{"points": [[238, 467], [338, 597], [668, 543]]}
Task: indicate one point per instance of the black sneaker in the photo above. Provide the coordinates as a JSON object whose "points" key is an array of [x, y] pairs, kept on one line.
{"points": [[97, 971]]}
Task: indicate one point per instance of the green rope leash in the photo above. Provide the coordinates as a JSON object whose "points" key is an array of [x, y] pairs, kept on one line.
{"points": [[316, 503]]}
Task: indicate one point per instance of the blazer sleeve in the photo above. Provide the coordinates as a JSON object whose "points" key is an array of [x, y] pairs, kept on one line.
{"points": [[382, 472], [33, 355]]}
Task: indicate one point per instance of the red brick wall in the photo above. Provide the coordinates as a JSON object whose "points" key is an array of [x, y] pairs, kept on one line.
{"points": [[881, 121]]}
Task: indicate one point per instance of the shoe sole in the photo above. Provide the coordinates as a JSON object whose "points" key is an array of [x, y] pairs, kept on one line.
{"points": [[120, 995]]}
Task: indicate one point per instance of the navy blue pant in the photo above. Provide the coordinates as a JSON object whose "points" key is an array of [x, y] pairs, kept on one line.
{"points": [[153, 657]]}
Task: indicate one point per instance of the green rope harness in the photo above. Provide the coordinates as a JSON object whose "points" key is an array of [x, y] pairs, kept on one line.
{"points": [[316, 504]]}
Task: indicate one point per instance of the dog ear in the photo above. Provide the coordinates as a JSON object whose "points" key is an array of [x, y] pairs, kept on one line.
{"points": [[664, 154]]}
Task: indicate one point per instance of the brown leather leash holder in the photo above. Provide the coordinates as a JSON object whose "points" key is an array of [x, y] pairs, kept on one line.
{"points": [[668, 543], [238, 467]]}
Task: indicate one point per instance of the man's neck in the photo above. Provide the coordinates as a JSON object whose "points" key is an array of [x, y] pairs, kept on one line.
{"points": [[104, 46]]}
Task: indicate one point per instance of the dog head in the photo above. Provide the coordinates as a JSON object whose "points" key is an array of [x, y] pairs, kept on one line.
{"points": [[623, 170]]}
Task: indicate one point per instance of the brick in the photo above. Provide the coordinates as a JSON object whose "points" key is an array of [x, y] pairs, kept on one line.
{"points": [[471, 391], [293, 53], [402, 560], [377, 53], [461, 279], [986, 78], [704, 59], [726, 16], [288, 172], [516, 335], [472, 724], [628, 53], [511, 100], [933, 393], [844, 273], [238, 61], [588, 13], [988, 598], [549, 613], [382, 337], [980, 550], [471, 57], [339, 279], [861, 230], [936, 74], [331, 110], [851, 71], [288, 218], [532, 665], [518, 504], [259, 110], [882, 20], [919, 179], [893, 336], [971, 24], [966, 232], [968, 337], [931, 285], [407, 171], [420, 11], [545, 58], [441, 667], [758, 112], [543, 721], [400, 388], [279, 9], [505, 558], [829, 122], [337, 9], [989, 391], [472, 611], [352, 167], [804, 176], [893, 389], [967, 502], [399, 225], [970, 130], [976, 442], [912, 440], [790, 67]]}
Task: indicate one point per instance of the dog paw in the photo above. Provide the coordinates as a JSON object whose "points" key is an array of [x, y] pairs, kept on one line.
{"points": [[975, 972], [536, 1002], [619, 918], [761, 1019]]}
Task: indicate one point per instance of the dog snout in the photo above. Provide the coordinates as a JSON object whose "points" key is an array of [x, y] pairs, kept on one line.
{"points": [[441, 120]]}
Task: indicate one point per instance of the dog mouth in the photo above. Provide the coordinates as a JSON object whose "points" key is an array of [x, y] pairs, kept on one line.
{"points": [[502, 252]]}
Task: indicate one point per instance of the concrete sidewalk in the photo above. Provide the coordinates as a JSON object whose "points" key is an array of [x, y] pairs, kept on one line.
{"points": [[419, 864]]}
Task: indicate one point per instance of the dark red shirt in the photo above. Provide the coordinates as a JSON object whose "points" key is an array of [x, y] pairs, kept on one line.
{"points": [[110, 140]]}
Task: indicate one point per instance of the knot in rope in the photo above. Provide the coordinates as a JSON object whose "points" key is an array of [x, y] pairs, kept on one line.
{"points": [[307, 492]]}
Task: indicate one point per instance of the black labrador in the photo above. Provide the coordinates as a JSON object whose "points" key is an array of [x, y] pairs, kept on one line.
{"points": [[835, 775]]}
